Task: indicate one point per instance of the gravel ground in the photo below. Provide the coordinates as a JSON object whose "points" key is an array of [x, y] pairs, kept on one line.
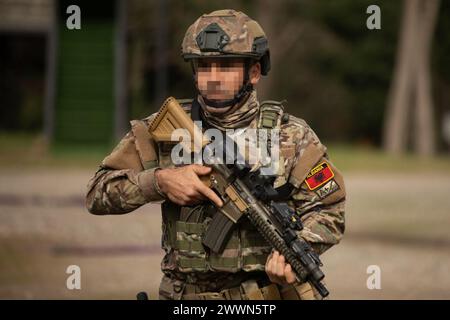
{"points": [[398, 222]]}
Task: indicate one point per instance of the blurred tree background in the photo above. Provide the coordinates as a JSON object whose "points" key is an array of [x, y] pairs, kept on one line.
{"points": [[333, 71]]}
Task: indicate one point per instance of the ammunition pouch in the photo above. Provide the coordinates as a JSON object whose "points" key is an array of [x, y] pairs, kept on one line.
{"points": [[245, 249], [252, 289]]}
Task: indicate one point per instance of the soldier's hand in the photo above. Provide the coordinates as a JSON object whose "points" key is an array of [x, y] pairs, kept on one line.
{"points": [[278, 270], [183, 186]]}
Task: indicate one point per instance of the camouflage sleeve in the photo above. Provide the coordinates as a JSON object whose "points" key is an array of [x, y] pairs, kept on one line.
{"points": [[120, 191], [324, 224], [319, 194], [121, 184]]}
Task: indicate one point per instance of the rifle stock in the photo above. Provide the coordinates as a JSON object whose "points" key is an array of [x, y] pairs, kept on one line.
{"points": [[170, 117]]}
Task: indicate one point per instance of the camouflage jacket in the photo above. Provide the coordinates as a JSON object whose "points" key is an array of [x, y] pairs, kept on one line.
{"points": [[125, 182]]}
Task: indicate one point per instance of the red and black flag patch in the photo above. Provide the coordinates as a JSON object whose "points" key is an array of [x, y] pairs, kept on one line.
{"points": [[319, 175]]}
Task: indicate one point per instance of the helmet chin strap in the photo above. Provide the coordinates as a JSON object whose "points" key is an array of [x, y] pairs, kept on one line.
{"points": [[243, 91]]}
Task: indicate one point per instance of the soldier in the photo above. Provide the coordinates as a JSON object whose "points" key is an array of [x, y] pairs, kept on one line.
{"points": [[228, 53]]}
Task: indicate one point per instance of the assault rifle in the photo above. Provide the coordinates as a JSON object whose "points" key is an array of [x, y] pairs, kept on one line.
{"points": [[246, 193]]}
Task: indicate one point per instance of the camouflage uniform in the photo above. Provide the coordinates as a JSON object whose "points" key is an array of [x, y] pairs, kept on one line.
{"points": [[126, 181]]}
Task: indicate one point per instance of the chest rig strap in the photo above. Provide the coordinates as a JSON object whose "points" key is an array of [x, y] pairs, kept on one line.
{"points": [[271, 116]]}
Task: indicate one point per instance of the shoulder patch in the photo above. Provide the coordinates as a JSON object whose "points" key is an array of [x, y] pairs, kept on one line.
{"points": [[327, 182], [328, 188], [319, 175]]}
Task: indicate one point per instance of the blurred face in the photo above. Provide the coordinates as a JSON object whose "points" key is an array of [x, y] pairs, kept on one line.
{"points": [[220, 79]]}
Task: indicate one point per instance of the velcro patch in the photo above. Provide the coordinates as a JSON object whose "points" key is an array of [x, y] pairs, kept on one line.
{"points": [[319, 175], [329, 188]]}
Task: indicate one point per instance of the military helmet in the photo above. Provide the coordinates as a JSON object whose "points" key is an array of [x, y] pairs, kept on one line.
{"points": [[226, 33]]}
